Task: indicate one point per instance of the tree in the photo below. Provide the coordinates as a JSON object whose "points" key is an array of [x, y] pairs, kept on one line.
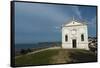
{"points": [[29, 50], [23, 51]]}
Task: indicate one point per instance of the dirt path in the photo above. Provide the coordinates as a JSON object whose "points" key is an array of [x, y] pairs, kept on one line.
{"points": [[61, 57]]}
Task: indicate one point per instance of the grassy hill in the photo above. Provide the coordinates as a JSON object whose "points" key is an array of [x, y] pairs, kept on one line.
{"points": [[56, 56]]}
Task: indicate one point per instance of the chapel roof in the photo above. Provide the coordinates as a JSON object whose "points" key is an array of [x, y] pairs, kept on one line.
{"points": [[74, 22]]}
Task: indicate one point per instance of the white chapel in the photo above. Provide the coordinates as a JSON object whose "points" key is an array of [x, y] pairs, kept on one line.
{"points": [[75, 35]]}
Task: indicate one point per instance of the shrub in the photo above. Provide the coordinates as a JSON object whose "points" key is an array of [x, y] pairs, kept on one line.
{"points": [[23, 51]]}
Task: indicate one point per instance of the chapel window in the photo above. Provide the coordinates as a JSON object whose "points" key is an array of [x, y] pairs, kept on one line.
{"points": [[82, 37], [66, 38]]}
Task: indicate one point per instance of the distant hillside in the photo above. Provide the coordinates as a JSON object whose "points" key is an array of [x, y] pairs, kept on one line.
{"points": [[56, 56], [37, 45]]}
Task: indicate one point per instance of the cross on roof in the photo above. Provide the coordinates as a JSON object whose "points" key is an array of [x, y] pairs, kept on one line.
{"points": [[73, 19]]}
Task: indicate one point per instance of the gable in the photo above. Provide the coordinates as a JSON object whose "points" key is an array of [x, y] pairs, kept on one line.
{"points": [[74, 23]]}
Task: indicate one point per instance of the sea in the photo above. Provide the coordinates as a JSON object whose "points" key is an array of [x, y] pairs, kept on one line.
{"points": [[26, 46]]}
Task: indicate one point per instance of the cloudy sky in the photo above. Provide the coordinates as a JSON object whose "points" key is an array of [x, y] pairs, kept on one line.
{"points": [[37, 22]]}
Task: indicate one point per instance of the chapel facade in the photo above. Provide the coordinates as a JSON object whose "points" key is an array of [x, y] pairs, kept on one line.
{"points": [[75, 35]]}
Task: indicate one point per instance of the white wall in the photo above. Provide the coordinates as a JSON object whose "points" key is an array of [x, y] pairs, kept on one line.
{"points": [[80, 29]]}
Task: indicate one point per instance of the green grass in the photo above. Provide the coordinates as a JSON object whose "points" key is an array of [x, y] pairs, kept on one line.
{"points": [[36, 59], [79, 56], [45, 57]]}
